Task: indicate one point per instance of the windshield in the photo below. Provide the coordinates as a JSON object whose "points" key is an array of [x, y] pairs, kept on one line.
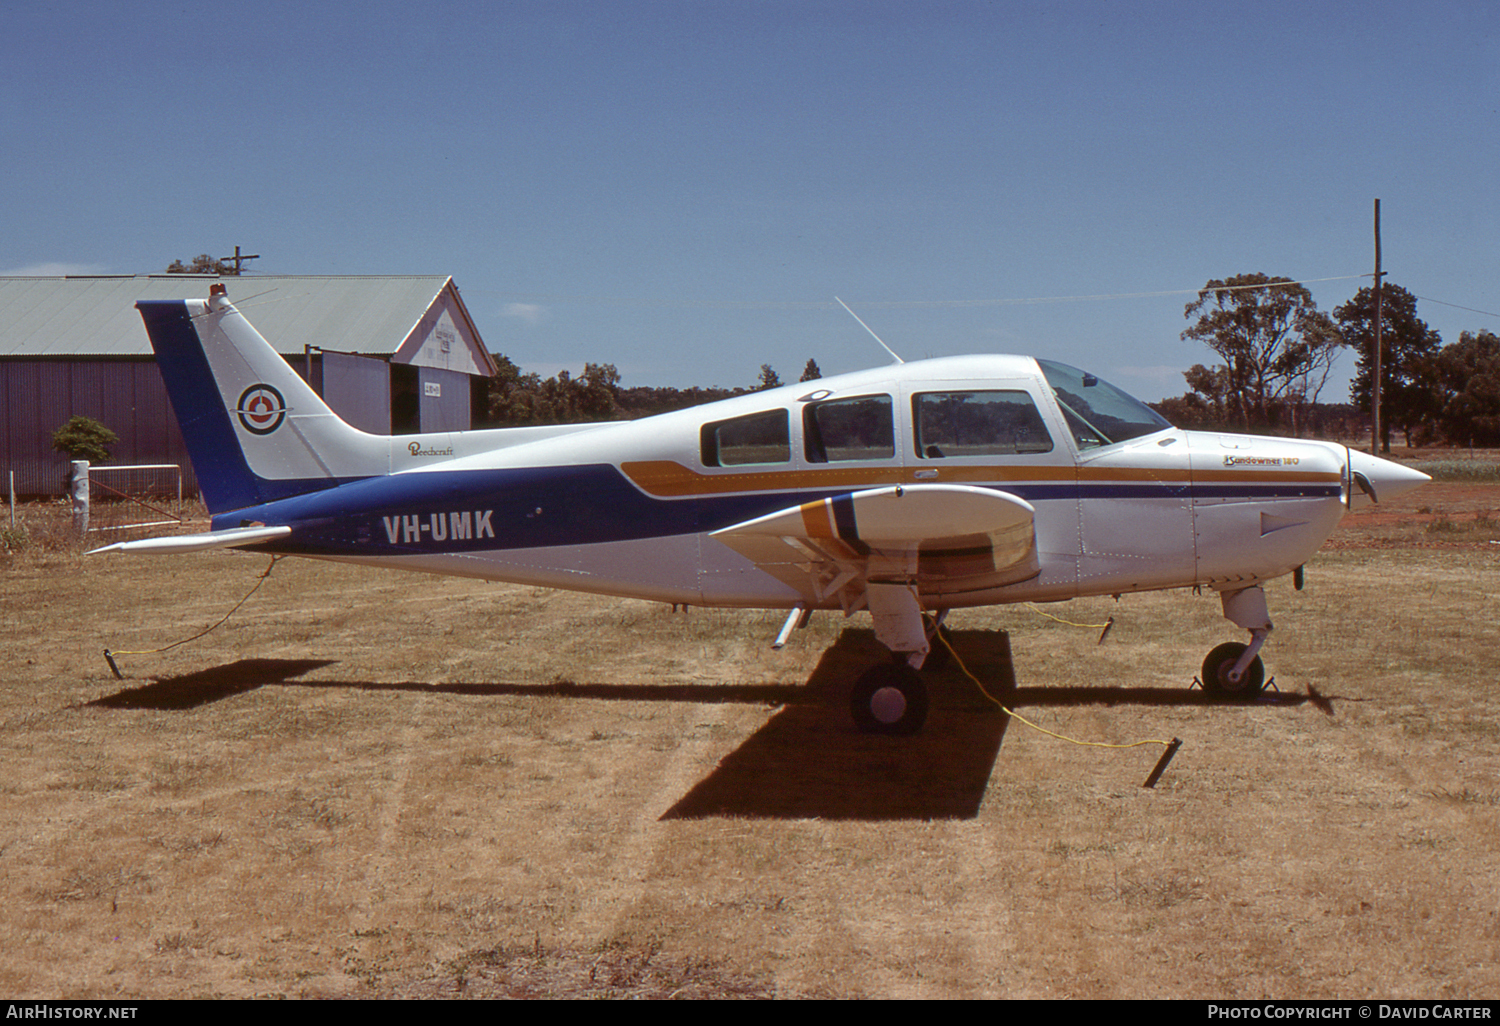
{"points": [[1097, 412]]}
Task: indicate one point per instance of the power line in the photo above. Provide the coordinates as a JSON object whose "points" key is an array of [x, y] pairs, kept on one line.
{"points": [[1439, 302], [890, 303]]}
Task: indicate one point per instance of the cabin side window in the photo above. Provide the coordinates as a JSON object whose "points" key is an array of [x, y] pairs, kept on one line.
{"points": [[978, 423], [860, 428], [757, 438]]}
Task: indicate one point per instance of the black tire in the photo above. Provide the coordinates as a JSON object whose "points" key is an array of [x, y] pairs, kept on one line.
{"points": [[1216, 672], [889, 699]]}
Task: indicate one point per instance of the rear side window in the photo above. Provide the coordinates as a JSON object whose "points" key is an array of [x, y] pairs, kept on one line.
{"points": [[849, 429], [757, 438], [996, 423]]}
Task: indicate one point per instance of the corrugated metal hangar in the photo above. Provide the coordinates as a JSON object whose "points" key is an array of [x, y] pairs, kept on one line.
{"points": [[391, 355]]}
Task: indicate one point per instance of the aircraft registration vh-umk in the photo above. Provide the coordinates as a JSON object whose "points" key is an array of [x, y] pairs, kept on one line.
{"points": [[905, 491]]}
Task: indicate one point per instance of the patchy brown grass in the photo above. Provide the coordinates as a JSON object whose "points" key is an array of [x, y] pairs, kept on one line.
{"points": [[384, 785]]}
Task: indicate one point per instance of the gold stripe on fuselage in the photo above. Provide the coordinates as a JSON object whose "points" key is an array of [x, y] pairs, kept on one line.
{"points": [[668, 479]]}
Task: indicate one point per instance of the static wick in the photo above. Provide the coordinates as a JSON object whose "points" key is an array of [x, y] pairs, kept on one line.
{"points": [[1161, 764]]}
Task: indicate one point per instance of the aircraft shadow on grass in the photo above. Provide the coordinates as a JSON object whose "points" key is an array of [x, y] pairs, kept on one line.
{"points": [[808, 760]]}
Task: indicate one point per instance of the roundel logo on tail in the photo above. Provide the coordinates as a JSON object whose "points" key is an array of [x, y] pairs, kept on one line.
{"points": [[261, 409]]}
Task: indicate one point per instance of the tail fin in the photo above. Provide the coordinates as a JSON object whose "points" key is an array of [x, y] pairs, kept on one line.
{"points": [[255, 430]]}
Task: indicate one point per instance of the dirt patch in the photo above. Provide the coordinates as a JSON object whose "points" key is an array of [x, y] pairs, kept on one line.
{"points": [[1438, 515]]}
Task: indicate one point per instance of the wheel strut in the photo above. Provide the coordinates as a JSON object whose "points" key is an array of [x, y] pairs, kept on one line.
{"points": [[1247, 608], [1258, 638]]}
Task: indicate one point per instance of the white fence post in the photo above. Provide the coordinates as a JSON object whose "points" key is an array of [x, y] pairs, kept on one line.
{"points": [[81, 497]]}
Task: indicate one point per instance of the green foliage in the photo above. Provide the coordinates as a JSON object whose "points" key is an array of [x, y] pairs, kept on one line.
{"points": [[514, 399], [202, 264], [1468, 371], [1191, 412], [1410, 397], [811, 372], [768, 378], [13, 540], [1278, 348], [1208, 407], [517, 399], [84, 439], [646, 401]]}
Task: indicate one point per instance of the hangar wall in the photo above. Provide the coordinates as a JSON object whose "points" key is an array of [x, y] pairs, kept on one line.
{"points": [[127, 396]]}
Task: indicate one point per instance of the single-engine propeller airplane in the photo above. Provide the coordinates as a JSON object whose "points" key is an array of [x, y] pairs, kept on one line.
{"points": [[906, 491]]}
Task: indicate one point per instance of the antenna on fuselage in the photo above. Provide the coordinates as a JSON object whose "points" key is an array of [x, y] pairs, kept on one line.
{"points": [[862, 324]]}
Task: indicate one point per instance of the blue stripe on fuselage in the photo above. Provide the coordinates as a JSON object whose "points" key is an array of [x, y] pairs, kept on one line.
{"points": [[530, 507], [540, 507], [1299, 490]]}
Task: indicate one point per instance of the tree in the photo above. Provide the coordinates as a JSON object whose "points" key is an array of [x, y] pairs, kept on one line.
{"points": [[513, 398], [202, 264], [84, 439], [595, 391], [768, 378], [811, 371], [1278, 347], [1469, 370], [1409, 392]]}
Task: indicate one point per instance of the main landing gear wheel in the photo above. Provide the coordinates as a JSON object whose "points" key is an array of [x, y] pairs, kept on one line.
{"points": [[1216, 672], [889, 699]]}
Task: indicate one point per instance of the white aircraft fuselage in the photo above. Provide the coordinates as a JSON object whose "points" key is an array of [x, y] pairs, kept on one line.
{"points": [[906, 490], [630, 508]]}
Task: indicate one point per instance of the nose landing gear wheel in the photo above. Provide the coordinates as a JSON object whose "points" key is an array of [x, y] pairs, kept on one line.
{"points": [[889, 699], [1216, 673]]}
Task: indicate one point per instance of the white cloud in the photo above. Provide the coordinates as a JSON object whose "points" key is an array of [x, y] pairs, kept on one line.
{"points": [[54, 270], [531, 313]]}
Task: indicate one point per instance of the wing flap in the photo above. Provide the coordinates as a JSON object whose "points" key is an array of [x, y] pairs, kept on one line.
{"points": [[943, 538]]}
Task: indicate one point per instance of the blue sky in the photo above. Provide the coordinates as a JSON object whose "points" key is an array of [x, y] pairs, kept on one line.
{"points": [[682, 188]]}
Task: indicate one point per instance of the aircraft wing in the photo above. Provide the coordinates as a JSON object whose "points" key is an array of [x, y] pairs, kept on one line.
{"points": [[943, 538], [197, 542]]}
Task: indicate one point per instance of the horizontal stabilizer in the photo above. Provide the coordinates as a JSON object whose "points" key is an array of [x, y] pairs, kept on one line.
{"points": [[197, 542]]}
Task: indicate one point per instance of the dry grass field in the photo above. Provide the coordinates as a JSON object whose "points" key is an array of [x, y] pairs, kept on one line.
{"points": [[385, 785]]}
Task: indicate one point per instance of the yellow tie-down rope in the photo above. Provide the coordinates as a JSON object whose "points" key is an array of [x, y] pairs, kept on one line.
{"points": [[1169, 746], [109, 656], [1102, 628]]}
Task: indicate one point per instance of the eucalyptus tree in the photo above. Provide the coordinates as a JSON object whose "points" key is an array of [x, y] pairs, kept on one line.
{"points": [[1278, 348], [1410, 395]]}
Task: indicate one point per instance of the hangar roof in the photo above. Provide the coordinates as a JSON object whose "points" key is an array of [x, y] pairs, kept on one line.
{"points": [[95, 316]]}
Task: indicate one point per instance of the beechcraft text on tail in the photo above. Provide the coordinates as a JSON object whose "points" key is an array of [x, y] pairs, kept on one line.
{"points": [[904, 492]]}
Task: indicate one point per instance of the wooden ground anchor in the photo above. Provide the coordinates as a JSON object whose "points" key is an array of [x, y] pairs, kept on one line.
{"points": [[1161, 764]]}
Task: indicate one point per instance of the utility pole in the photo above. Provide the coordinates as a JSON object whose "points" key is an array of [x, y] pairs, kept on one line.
{"points": [[1374, 362], [1375, 359], [237, 258]]}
